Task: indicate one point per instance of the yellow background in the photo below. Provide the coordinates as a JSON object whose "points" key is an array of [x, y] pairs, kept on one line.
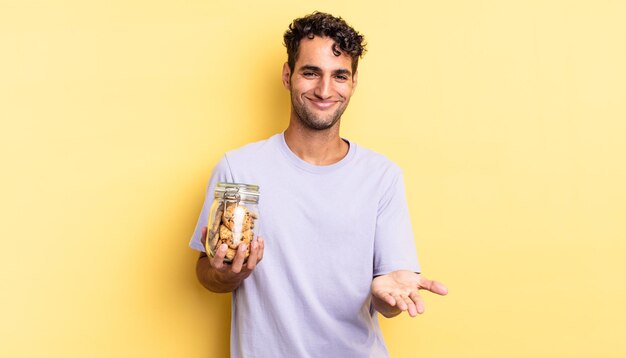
{"points": [[508, 118]]}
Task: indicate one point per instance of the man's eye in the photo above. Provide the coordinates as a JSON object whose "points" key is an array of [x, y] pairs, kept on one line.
{"points": [[308, 74], [342, 78]]}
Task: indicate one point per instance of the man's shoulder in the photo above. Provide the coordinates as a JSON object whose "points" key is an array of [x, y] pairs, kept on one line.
{"points": [[375, 160], [253, 149]]}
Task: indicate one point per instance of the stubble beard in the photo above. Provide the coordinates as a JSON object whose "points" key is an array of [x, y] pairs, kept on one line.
{"points": [[313, 121]]}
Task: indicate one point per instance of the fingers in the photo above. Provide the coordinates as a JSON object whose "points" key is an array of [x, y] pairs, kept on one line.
{"points": [[439, 288], [418, 302], [411, 307], [261, 243], [239, 262], [433, 286], [254, 255], [413, 303], [240, 257], [426, 284], [203, 236], [385, 297], [409, 304], [400, 302], [217, 261]]}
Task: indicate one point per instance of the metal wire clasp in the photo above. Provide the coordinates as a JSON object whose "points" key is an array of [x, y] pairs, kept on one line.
{"points": [[232, 194]]}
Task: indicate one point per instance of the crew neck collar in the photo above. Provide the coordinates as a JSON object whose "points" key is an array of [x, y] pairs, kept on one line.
{"points": [[311, 168]]}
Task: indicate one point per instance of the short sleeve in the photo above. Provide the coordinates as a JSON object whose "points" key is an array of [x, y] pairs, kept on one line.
{"points": [[394, 246], [221, 173]]}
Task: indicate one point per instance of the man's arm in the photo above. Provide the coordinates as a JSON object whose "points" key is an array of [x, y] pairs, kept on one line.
{"points": [[398, 291], [217, 276]]}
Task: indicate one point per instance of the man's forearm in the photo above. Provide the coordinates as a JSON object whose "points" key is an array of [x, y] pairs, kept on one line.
{"points": [[213, 280]]}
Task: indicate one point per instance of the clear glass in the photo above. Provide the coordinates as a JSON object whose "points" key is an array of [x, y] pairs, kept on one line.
{"points": [[232, 218]]}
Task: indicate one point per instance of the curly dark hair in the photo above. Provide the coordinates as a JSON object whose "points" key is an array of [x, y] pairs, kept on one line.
{"points": [[324, 25]]}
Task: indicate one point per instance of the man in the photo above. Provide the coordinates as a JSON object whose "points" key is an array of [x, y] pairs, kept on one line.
{"points": [[339, 239]]}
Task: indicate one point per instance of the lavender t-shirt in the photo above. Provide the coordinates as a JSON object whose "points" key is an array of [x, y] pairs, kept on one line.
{"points": [[328, 231]]}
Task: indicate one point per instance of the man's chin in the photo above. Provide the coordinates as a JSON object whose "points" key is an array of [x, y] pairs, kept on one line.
{"points": [[320, 125], [318, 121]]}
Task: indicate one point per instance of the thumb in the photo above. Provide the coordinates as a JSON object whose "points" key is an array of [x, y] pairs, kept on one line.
{"points": [[433, 286], [203, 236]]}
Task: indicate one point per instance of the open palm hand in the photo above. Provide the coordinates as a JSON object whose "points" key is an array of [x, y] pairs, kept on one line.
{"points": [[398, 291]]}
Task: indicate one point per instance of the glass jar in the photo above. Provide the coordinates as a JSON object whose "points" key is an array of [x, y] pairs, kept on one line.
{"points": [[232, 218]]}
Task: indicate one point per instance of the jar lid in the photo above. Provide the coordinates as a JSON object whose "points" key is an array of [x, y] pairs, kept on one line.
{"points": [[237, 191]]}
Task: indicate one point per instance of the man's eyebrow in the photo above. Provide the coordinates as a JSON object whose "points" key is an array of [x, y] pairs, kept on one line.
{"points": [[342, 71], [310, 68]]}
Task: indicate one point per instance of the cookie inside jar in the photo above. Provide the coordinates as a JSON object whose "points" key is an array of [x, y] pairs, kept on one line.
{"points": [[232, 220]]}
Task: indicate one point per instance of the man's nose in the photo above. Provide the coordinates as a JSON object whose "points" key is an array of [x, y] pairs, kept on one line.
{"points": [[323, 89]]}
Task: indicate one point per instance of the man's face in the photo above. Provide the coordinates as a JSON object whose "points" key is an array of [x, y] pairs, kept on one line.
{"points": [[321, 83]]}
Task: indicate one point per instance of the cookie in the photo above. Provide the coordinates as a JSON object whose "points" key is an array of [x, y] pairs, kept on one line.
{"points": [[225, 233], [237, 215], [235, 225], [214, 238]]}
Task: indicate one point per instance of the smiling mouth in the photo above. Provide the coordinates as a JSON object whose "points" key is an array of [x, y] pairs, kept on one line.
{"points": [[322, 104]]}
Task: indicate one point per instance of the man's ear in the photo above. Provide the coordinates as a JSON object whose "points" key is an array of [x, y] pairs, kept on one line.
{"points": [[286, 76], [355, 79]]}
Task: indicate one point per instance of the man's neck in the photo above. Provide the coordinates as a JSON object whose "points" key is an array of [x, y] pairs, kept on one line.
{"points": [[317, 147]]}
